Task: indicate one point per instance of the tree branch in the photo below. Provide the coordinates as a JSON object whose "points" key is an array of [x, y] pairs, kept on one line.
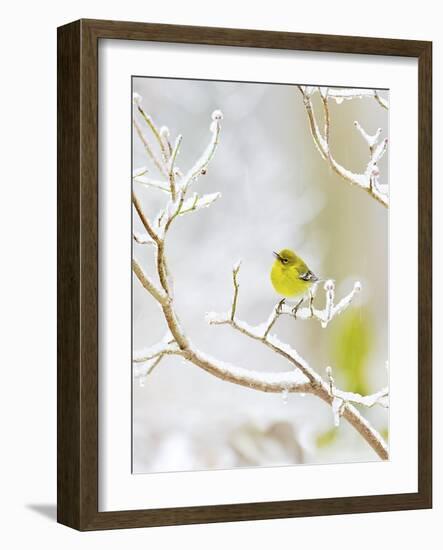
{"points": [[367, 180], [331, 309], [144, 219], [316, 384], [155, 292]]}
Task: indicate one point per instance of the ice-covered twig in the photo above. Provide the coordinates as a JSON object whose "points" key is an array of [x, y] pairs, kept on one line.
{"points": [[370, 140], [174, 152], [270, 341], [342, 398], [201, 164], [178, 184], [235, 271], [340, 94], [378, 398], [160, 137], [166, 346], [368, 179], [142, 370], [141, 171], [381, 100], [155, 292], [146, 360], [156, 184], [325, 315], [171, 167], [337, 402], [148, 148], [197, 202], [144, 219]]}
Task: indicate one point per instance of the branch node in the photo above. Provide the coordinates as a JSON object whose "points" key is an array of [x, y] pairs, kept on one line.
{"points": [[362, 180]]}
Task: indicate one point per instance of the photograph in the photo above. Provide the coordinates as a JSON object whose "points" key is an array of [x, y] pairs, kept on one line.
{"points": [[260, 274]]}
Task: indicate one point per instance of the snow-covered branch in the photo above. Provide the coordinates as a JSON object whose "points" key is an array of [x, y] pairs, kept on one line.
{"points": [[197, 202], [155, 184], [341, 398], [324, 316], [330, 310], [300, 378], [340, 94], [317, 385], [369, 178], [200, 166], [145, 360], [261, 332], [166, 346]]}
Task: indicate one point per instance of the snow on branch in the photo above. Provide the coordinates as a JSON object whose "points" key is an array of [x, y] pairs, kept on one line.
{"points": [[176, 185], [341, 398], [340, 94], [324, 316], [369, 178], [197, 202], [145, 360], [300, 377], [142, 238], [156, 184], [200, 166], [166, 346], [330, 310]]}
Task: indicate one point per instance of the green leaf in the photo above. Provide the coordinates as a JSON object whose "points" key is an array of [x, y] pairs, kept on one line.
{"points": [[352, 340]]}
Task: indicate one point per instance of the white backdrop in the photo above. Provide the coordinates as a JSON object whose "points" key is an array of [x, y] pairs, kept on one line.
{"points": [[28, 277]]}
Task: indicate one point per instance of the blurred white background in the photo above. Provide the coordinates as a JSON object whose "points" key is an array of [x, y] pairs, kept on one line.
{"points": [[276, 192], [28, 403]]}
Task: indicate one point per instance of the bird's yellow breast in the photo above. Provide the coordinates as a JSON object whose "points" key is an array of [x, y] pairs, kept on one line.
{"points": [[286, 282]]}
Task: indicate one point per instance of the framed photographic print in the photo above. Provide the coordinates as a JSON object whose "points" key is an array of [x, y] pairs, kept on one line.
{"points": [[244, 275]]}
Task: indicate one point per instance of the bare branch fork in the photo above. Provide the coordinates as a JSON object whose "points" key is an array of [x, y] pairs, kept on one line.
{"points": [[369, 178], [301, 378]]}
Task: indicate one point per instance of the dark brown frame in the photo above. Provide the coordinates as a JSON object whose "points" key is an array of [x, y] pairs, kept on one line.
{"points": [[77, 428]]}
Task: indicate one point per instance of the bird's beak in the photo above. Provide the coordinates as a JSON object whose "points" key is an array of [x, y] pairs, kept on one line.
{"points": [[276, 254]]}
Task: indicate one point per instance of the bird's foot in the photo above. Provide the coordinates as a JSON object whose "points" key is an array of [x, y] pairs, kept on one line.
{"points": [[311, 303], [280, 305], [296, 308]]}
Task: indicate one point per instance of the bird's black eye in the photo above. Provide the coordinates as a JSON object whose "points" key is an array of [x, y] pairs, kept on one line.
{"points": [[284, 260]]}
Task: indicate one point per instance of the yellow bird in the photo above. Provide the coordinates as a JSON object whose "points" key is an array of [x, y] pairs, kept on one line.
{"points": [[291, 277]]}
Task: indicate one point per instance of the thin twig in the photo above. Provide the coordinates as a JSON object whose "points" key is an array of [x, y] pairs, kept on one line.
{"points": [[380, 100], [158, 294], [273, 319], [172, 167], [155, 131], [236, 287], [148, 149], [144, 219]]}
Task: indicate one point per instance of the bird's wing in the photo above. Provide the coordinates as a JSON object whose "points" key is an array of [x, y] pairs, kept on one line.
{"points": [[308, 276]]}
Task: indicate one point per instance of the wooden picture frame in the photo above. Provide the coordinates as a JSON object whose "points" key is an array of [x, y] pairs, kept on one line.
{"points": [[77, 457]]}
